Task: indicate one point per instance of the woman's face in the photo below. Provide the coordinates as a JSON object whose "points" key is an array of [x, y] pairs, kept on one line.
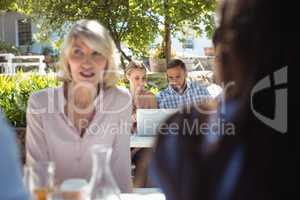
{"points": [[137, 79], [86, 64]]}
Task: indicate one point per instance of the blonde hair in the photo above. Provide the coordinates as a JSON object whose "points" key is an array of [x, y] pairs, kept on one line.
{"points": [[134, 65], [96, 37]]}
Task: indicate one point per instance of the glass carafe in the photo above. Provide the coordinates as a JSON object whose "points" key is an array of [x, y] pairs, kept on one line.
{"points": [[102, 183]]}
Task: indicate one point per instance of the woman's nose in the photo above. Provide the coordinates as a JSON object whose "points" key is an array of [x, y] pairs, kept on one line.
{"points": [[87, 62], [141, 82]]}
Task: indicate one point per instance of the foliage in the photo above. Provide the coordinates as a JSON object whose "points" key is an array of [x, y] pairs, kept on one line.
{"points": [[8, 5], [156, 82], [15, 91], [177, 14], [124, 19], [135, 23], [47, 50], [159, 53], [8, 48]]}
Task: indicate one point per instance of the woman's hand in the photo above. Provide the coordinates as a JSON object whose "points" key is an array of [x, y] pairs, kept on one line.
{"points": [[133, 118], [134, 151]]}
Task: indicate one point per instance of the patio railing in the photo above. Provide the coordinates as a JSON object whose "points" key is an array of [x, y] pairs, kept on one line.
{"points": [[9, 63]]}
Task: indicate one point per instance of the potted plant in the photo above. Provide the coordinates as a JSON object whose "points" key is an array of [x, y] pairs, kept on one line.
{"points": [[158, 60]]}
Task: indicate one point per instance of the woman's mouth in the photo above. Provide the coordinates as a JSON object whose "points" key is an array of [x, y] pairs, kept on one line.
{"points": [[87, 74]]}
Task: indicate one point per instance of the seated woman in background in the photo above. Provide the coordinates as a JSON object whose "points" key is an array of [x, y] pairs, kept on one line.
{"points": [[136, 74], [63, 123], [228, 152]]}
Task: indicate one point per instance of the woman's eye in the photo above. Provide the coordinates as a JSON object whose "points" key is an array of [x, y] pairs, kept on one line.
{"points": [[77, 52], [95, 53]]}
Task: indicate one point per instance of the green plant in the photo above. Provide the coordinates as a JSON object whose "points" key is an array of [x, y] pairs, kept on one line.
{"points": [[47, 50], [158, 53], [15, 91], [8, 48], [154, 84]]}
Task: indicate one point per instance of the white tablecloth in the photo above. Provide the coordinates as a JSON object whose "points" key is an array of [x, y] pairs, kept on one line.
{"points": [[138, 194], [144, 194], [142, 142]]}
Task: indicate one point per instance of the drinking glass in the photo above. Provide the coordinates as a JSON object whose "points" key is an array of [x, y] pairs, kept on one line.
{"points": [[39, 180]]}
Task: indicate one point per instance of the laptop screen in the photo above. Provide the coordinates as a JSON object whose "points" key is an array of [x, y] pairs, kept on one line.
{"points": [[148, 120]]}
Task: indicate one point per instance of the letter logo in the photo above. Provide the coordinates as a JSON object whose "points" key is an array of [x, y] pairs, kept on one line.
{"points": [[279, 122]]}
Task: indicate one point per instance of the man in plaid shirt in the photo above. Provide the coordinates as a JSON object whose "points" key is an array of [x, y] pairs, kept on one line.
{"points": [[180, 92]]}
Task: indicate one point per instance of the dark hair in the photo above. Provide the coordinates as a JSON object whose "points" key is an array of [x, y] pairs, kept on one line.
{"points": [[216, 37], [252, 163], [176, 63]]}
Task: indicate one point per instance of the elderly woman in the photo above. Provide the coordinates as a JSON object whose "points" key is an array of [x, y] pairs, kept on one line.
{"points": [[63, 123]]}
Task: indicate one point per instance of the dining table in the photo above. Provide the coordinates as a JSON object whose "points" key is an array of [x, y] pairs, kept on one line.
{"points": [[144, 194], [142, 141], [137, 194]]}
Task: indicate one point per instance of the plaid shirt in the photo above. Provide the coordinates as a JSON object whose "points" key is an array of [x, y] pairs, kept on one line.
{"points": [[194, 93]]}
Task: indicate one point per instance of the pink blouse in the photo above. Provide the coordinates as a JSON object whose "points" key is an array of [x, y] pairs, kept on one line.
{"points": [[52, 137]]}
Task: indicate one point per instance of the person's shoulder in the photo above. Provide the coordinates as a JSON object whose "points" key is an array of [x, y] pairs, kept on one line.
{"points": [[163, 92], [120, 99], [197, 84], [6, 136], [120, 92], [44, 92], [214, 90], [42, 97]]}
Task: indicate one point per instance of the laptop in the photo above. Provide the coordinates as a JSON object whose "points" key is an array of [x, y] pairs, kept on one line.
{"points": [[148, 120]]}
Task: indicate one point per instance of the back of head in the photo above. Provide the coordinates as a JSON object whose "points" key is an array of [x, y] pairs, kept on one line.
{"points": [[250, 50], [251, 43]]}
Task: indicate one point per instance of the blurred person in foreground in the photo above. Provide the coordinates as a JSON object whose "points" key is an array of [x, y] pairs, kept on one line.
{"points": [[11, 185], [224, 151]]}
